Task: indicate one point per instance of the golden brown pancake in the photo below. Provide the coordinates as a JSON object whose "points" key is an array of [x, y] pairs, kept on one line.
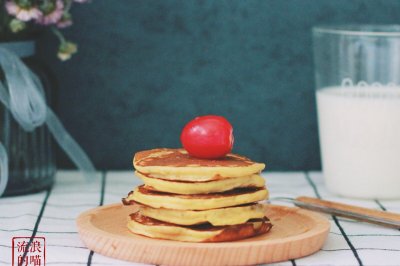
{"points": [[229, 198], [205, 187], [216, 217], [197, 200], [153, 228], [177, 164]]}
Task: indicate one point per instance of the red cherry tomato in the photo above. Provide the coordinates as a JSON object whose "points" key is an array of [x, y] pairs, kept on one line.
{"points": [[208, 137]]}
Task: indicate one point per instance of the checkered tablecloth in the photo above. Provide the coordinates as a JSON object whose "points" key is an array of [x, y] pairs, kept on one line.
{"points": [[51, 214]]}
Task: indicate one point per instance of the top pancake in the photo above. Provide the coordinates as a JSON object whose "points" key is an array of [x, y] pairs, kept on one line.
{"points": [[177, 164]]}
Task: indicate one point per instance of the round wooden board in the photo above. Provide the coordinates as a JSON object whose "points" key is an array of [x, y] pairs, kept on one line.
{"points": [[295, 233]]}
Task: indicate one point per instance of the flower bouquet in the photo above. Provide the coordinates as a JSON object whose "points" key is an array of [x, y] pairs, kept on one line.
{"points": [[20, 19]]}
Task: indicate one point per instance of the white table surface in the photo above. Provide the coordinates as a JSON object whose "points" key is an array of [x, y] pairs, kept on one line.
{"points": [[52, 214]]}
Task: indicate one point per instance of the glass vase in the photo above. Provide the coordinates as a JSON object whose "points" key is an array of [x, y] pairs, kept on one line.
{"points": [[31, 154]]}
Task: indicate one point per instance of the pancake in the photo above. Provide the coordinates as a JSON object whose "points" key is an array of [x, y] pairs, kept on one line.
{"points": [[216, 217], [177, 164], [153, 228], [186, 187], [230, 198]]}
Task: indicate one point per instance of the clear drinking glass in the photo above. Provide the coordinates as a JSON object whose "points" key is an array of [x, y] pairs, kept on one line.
{"points": [[357, 72]]}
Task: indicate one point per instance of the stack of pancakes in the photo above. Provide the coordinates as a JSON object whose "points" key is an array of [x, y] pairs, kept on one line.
{"points": [[197, 200]]}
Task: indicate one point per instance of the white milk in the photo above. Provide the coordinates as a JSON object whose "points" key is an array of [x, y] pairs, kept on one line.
{"points": [[359, 132]]}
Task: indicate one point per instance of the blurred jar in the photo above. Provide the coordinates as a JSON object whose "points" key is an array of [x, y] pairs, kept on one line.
{"points": [[31, 154]]}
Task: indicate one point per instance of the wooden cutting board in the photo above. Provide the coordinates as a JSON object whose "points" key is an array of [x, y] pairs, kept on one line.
{"points": [[295, 233]]}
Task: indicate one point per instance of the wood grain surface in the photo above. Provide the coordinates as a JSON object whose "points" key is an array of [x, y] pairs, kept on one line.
{"points": [[296, 233]]}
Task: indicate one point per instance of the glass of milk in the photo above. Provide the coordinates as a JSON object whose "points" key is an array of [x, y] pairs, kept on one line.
{"points": [[357, 71]]}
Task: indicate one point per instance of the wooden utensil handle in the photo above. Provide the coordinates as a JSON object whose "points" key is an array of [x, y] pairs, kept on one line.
{"points": [[350, 211]]}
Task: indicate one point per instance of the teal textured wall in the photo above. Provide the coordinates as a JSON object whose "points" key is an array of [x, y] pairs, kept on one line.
{"points": [[146, 67]]}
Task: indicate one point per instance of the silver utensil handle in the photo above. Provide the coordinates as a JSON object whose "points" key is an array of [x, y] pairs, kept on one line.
{"points": [[383, 218]]}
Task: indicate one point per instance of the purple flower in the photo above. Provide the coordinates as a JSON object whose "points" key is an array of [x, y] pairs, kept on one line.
{"points": [[53, 16], [22, 13], [65, 21]]}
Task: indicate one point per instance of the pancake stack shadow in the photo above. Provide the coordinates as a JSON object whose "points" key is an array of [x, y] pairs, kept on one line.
{"points": [[197, 200]]}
